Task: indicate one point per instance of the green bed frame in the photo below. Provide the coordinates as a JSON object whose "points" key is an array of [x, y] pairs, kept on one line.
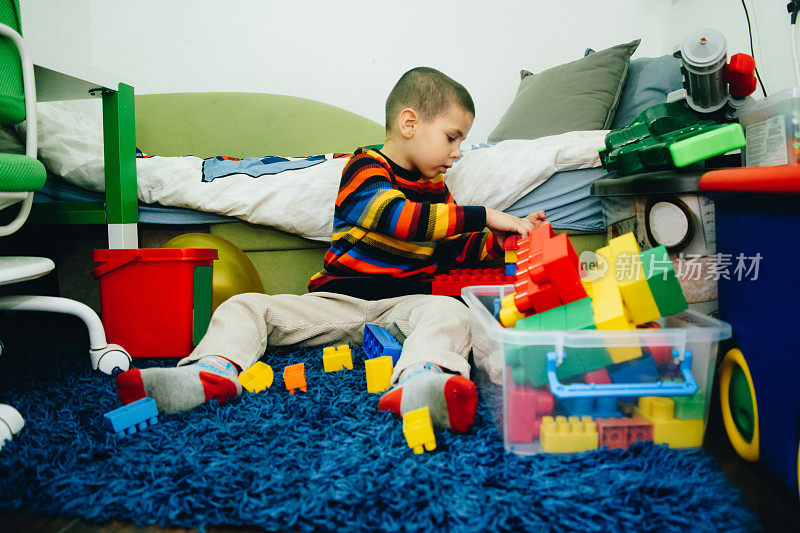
{"points": [[255, 124]]}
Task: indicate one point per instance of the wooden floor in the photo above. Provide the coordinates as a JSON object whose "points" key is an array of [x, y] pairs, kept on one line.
{"points": [[775, 505]]}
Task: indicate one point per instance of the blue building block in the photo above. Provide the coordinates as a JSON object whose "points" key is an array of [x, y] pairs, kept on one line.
{"points": [[132, 417], [497, 306], [511, 269], [594, 407], [379, 342], [640, 370]]}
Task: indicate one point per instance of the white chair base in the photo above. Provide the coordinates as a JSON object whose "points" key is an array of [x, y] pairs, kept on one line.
{"points": [[103, 356]]}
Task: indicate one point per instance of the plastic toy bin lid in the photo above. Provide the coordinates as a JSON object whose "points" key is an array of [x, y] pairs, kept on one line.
{"points": [[784, 179], [647, 183]]}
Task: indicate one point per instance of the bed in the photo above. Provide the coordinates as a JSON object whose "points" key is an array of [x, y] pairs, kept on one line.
{"points": [[246, 125]]}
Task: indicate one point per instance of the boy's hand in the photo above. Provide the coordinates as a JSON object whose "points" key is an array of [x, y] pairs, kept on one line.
{"points": [[503, 223], [537, 218]]}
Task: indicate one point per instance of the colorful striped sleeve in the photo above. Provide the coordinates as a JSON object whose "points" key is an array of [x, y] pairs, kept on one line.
{"points": [[470, 248], [367, 198]]}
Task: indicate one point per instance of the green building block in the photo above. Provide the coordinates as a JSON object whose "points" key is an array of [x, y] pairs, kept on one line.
{"points": [[579, 314], [663, 283], [690, 407], [533, 359]]}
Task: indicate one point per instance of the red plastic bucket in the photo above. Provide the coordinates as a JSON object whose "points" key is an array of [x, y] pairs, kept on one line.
{"points": [[148, 297]]}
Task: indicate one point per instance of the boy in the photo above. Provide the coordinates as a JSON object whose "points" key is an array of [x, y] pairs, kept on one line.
{"points": [[395, 225]]}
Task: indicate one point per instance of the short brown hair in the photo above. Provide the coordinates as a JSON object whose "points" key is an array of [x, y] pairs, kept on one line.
{"points": [[428, 92]]}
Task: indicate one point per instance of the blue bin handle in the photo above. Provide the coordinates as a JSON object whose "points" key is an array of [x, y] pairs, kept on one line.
{"points": [[595, 390]]}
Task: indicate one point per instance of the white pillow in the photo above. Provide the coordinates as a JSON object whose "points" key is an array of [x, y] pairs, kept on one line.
{"points": [[70, 144]]}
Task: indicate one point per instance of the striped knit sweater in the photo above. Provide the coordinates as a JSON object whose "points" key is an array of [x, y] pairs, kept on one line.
{"points": [[393, 224]]}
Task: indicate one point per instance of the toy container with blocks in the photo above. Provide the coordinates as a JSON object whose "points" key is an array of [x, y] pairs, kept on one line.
{"points": [[573, 358]]}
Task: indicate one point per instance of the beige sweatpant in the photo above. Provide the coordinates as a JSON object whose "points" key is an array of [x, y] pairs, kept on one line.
{"points": [[436, 328]]}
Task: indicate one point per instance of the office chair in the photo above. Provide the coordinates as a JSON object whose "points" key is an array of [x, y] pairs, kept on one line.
{"points": [[20, 176]]}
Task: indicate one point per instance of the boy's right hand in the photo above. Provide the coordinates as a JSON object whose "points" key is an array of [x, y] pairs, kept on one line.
{"points": [[503, 223]]}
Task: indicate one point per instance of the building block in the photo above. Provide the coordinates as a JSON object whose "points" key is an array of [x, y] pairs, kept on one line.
{"points": [[379, 373], [661, 353], [632, 283], [565, 435], [640, 370], [418, 430], [132, 417], [294, 377], [337, 358], [510, 256], [592, 407], [511, 269], [548, 271], [563, 268], [663, 282], [622, 432], [666, 428], [509, 314], [379, 342], [511, 242], [690, 407], [599, 376], [257, 378], [450, 284], [525, 407], [609, 310]]}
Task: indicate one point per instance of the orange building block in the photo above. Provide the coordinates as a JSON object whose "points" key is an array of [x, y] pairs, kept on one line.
{"points": [[622, 432], [294, 377]]}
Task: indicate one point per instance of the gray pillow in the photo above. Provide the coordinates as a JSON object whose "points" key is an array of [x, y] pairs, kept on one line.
{"points": [[650, 80], [581, 95]]}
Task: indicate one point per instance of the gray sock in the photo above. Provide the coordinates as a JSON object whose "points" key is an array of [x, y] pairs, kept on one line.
{"points": [[181, 388]]}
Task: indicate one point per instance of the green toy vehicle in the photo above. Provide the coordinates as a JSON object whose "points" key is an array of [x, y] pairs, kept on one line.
{"points": [[667, 136]]}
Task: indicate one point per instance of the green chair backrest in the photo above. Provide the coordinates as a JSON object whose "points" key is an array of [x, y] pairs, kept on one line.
{"points": [[12, 95]]}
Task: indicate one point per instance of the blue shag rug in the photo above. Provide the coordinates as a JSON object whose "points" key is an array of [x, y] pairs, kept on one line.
{"points": [[326, 460]]}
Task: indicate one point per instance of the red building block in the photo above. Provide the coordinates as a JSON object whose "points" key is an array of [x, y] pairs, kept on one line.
{"points": [[622, 432], [548, 272], [451, 284], [525, 407], [599, 376], [511, 243]]}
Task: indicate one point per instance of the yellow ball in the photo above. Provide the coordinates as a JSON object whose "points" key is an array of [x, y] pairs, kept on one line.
{"points": [[234, 273]]}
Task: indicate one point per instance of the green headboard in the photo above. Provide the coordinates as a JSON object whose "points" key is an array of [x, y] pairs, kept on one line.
{"points": [[247, 125]]}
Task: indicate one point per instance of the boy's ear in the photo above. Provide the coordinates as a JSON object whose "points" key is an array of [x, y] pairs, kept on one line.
{"points": [[407, 121]]}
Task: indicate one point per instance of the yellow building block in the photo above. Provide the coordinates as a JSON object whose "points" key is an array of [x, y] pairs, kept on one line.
{"points": [[418, 430], [565, 435], [609, 311], [257, 378], [511, 256], [631, 280], [666, 428], [337, 358], [379, 373], [509, 314]]}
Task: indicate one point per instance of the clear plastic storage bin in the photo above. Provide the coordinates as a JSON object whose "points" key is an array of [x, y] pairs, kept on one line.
{"points": [[772, 130], [560, 392]]}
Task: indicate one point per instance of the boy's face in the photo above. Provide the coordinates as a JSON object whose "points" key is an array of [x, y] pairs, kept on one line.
{"points": [[437, 143]]}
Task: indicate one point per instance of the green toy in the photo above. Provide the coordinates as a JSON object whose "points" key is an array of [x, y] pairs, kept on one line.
{"points": [[667, 136]]}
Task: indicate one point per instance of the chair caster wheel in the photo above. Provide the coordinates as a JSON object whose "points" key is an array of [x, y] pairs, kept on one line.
{"points": [[110, 357], [11, 423]]}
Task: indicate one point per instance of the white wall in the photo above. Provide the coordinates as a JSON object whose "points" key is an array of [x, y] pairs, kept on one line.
{"points": [[349, 53]]}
